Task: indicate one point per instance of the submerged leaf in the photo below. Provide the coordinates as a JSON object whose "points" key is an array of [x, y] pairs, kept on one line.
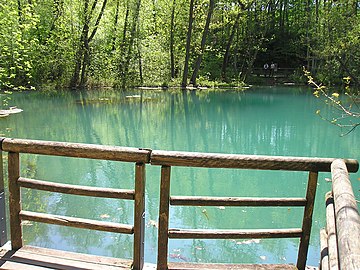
{"points": [[205, 213], [153, 223]]}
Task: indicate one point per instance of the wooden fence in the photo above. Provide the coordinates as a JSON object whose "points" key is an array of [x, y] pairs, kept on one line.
{"points": [[165, 159], [279, 72], [137, 156], [340, 240]]}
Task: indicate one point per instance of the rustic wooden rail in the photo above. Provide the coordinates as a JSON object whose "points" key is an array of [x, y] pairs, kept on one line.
{"points": [[138, 156], [341, 237], [190, 159], [167, 159], [280, 72]]}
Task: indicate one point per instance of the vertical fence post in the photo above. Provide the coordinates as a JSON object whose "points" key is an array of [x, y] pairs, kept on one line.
{"points": [[163, 218], [324, 259], [307, 221], [139, 216], [14, 200], [347, 217], [3, 233], [331, 232]]}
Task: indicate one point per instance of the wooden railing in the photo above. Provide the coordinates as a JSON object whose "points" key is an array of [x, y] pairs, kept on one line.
{"points": [[280, 72], [138, 156], [166, 159], [340, 240]]}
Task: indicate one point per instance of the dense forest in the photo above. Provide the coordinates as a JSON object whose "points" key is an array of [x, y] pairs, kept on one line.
{"points": [[121, 43]]}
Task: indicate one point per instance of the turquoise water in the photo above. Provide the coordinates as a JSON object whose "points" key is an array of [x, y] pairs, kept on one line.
{"points": [[264, 121]]}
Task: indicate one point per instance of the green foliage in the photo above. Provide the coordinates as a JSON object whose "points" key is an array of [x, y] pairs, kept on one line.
{"points": [[346, 113], [42, 42], [18, 46]]}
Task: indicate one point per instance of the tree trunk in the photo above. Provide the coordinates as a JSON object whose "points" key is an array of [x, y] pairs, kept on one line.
{"points": [[188, 40], [57, 12], [116, 19], [82, 59], [308, 25], [231, 38], [85, 61], [155, 32], [172, 26], [19, 9], [80, 52], [121, 65], [140, 62], [98, 21], [130, 44], [203, 42], [228, 46]]}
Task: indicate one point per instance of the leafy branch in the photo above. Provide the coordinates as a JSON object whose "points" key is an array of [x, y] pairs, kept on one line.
{"points": [[347, 110]]}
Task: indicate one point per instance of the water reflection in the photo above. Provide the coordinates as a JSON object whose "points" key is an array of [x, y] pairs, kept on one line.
{"points": [[269, 121]]}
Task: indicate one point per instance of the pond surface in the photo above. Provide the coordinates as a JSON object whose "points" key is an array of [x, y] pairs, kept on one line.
{"points": [[263, 121]]}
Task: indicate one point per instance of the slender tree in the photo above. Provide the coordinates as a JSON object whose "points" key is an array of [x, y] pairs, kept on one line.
{"points": [[172, 30], [115, 26], [83, 52], [129, 36], [203, 42], [187, 48]]}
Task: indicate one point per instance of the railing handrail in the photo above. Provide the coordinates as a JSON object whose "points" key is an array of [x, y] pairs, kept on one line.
{"points": [[79, 150], [259, 162], [172, 158]]}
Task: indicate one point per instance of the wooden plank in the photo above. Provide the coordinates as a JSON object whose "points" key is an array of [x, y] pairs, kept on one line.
{"points": [[307, 220], [77, 222], [14, 200], [77, 190], [210, 266], [233, 234], [10, 265], [331, 232], [139, 216], [163, 218], [79, 150], [64, 263], [235, 201], [46, 259], [34, 261], [212, 160], [74, 255], [347, 217], [324, 254]]}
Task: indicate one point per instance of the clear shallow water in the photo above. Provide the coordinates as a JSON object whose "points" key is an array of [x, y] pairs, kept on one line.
{"points": [[264, 121]]}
